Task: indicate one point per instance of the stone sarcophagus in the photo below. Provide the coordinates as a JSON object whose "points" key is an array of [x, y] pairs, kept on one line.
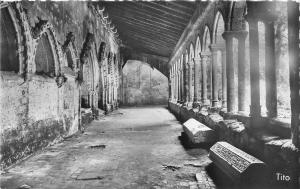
{"points": [[198, 132], [237, 164]]}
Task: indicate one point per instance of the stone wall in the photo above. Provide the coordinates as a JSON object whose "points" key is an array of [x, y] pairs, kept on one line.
{"points": [[143, 85], [39, 108]]}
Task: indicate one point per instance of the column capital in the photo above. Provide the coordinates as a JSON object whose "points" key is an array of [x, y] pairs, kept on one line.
{"points": [[241, 34], [205, 54], [196, 59], [217, 47]]}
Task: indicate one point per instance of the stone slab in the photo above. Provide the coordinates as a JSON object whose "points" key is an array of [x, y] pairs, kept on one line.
{"points": [[198, 132], [237, 164]]}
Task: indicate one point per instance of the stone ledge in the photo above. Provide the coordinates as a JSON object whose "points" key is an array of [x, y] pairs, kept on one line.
{"points": [[261, 143]]}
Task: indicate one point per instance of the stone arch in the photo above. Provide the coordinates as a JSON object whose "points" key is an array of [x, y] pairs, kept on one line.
{"points": [[46, 45], [44, 56], [198, 47], [70, 52], [219, 28], [186, 56], [192, 52], [236, 16], [101, 52], [87, 71], [206, 39], [14, 47]]}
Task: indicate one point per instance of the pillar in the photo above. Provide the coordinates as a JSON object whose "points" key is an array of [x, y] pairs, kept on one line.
{"points": [[231, 96], [294, 67], [178, 85], [190, 80], [174, 85], [270, 67], [215, 48], [197, 62], [224, 81], [255, 109], [170, 85], [185, 81], [205, 59], [241, 35], [182, 83]]}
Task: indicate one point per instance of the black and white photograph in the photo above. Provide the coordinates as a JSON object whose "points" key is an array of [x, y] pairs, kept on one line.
{"points": [[150, 94]]}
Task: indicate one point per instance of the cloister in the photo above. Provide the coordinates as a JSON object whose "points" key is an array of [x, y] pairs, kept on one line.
{"points": [[101, 94]]}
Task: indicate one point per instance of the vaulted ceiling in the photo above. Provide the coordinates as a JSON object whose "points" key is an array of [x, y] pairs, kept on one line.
{"points": [[152, 27]]}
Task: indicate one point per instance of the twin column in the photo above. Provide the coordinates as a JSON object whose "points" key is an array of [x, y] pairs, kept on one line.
{"points": [[232, 98]]}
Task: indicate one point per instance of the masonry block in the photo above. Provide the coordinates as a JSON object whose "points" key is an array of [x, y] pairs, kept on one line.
{"points": [[213, 119], [198, 132], [236, 164]]}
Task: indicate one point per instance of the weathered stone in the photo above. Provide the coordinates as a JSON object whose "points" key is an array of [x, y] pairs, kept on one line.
{"points": [[235, 163], [213, 120], [198, 132]]}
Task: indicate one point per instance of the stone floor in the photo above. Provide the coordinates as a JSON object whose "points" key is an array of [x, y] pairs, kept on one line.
{"points": [[130, 148]]}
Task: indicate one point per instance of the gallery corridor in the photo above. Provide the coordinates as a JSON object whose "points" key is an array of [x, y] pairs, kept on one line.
{"points": [[223, 73], [131, 148]]}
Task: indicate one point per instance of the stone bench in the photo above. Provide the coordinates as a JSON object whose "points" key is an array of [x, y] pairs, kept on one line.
{"points": [[237, 164], [198, 132]]}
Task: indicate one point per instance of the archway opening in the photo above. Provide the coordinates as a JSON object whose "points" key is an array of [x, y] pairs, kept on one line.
{"points": [[8, 41], [143, 85]]}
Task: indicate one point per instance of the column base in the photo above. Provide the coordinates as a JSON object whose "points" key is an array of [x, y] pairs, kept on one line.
{"points": [[197, 104], [224, 104], [189, 104], [205, 102], [216, 104], [255, 111]]}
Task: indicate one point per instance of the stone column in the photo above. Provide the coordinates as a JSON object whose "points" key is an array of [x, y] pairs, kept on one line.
{"points": [[170, 85], [231, 96], [241, 35], [197, 62], [255, 109], [190, 80], [205, 59], [224, 81], [172, 82], [215, 48], [270, 67], [182, 83], [175, 83], [294, 67], [185, 81], [178, 84]]}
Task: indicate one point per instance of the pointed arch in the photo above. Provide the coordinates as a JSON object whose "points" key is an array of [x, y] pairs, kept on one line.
{"points": [[198, 48], [206, 39], [13, 38], [219, 28], [186, 56], [192, 52]]}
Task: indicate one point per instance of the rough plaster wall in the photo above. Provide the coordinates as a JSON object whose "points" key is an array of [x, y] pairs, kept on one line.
{"points": [[43, 100], [35, 112], [13, 104], [143, 85]]}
